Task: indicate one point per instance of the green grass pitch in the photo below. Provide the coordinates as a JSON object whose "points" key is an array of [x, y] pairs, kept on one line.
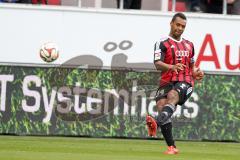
{"points": [[74, 148]]}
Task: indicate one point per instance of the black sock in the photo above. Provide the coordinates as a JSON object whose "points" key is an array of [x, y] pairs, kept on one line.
{"points": [[166, 130], [165, 114]]}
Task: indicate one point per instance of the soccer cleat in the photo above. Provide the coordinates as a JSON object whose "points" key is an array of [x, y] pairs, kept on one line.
{"points": [[151, 125], [171, 150]]}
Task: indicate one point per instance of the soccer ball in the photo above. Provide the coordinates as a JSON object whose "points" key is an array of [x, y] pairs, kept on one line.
{"points": [[49, 52]]}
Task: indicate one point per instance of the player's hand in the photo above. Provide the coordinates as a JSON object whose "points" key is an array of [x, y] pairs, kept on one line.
{"points": [[198, 74], [177, 67]]}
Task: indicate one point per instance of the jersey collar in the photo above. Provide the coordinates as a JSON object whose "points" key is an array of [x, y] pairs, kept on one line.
{"points": [[175, 39]]}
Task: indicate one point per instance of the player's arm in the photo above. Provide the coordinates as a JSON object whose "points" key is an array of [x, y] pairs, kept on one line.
{"points": [[166, 67], [197, 73], [159, 55]]}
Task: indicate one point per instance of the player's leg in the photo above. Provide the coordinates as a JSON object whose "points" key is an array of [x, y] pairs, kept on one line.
{"points": [[165, 122], [161, 103], [169, 107], [160, 97], [181, 92], [166, 129], [151, 121], [184, 90]]}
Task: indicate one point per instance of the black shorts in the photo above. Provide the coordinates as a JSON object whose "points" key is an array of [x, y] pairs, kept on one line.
{"points": [[184, 90]]}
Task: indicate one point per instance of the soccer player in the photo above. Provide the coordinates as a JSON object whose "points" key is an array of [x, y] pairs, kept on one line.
{"points": [[174, 57]]}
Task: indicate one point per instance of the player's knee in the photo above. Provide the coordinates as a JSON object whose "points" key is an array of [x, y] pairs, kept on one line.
{"points": [[159, 108], [163, 118], [173, 96], [160, 104]]}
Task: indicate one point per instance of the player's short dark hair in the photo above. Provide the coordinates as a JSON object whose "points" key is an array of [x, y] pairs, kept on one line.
{"points": [[180, 15]]}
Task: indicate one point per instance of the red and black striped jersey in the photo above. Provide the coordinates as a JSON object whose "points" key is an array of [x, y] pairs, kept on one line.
{"points": [[171, 51]]}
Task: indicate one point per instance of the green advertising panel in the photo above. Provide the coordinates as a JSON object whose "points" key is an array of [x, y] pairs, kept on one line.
{"points": [[111, 103]]}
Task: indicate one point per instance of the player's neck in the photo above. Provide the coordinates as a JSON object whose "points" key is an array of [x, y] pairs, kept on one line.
{"points": [[175, 38]]}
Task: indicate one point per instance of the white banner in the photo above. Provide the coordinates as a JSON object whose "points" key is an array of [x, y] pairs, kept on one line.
{"points": [[113, 37]]}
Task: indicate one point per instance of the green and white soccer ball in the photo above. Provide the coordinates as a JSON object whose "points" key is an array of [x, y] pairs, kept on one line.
{"points": [[49, 52]]}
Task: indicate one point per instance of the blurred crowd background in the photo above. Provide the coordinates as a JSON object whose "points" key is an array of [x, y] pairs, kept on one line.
{"points": [[200, 6]]}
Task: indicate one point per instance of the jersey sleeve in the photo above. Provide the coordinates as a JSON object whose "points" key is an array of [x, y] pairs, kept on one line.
{"points": [[192, 60], [159, 51]]}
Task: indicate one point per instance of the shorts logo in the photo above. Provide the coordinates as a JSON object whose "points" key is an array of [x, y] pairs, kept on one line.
{"points": [[189, 90], [183, 85]]}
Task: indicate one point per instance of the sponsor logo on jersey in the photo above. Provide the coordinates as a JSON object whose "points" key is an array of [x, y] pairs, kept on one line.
{"points": [[157, 54], [181, 53]]}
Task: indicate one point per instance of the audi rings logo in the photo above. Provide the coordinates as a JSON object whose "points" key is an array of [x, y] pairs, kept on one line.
{"points": [[111, 46]]}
